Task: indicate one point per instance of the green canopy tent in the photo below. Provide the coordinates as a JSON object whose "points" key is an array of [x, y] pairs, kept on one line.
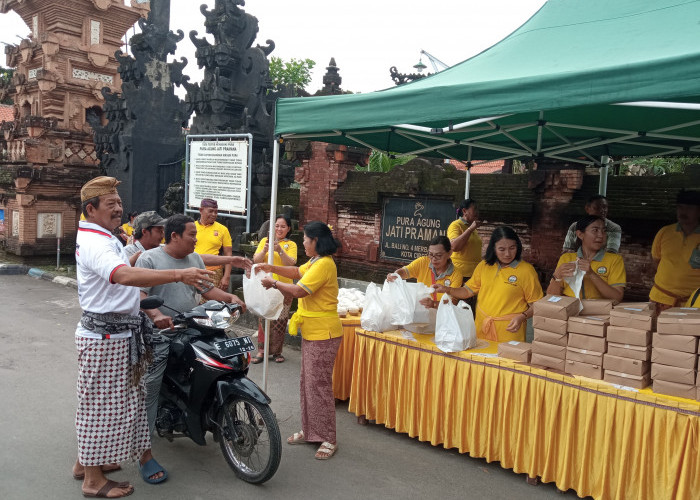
{"points": [[580, 81]]}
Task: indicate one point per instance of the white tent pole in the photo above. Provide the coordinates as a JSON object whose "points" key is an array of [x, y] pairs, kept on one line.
{"points": [[605, 166], [468, 181], [271, 244]]}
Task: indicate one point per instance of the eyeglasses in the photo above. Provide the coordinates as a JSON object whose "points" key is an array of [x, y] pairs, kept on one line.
{"points": [[436, 255]]}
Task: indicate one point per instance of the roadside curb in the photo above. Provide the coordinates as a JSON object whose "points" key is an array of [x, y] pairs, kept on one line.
{"points": [[16, 269]]}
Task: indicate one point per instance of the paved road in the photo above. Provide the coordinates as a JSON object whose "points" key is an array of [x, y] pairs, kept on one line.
{"points": [[37, 436]]}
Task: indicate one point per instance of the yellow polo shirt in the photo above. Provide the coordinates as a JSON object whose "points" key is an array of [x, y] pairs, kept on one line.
{"points": [[469, 256], [503, 291], [288, 247], [320, 279], [608, 266], [211, 238], [422, 271], [696, 302], [674, 274], [128, 229]]}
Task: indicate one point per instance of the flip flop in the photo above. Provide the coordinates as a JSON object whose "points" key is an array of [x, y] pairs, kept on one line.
{"points": [[150, 468], [80, 477], [279, 359], [109, 486]]}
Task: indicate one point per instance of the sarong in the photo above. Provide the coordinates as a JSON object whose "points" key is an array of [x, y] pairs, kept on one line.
{"points": [[278, 328], [111, 417], [316, 389]]}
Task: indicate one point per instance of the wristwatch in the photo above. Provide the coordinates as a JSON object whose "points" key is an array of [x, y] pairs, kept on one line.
{"points": [[274, 284]]}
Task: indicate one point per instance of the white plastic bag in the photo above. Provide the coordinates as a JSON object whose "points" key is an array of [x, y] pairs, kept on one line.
{"points": [[455, 329], [395, 294], [268, 303], [419, 291], [376, 316], [575, 282]]}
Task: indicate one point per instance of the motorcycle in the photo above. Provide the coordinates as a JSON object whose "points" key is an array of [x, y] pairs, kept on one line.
{"points": [[205, 388]]}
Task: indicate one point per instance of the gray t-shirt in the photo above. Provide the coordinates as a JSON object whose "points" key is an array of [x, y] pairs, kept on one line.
{"points": [[135, 247], [179, 296]]}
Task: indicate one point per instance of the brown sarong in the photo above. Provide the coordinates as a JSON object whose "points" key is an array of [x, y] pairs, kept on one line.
{"points": [[278, 329], [316, 389]]}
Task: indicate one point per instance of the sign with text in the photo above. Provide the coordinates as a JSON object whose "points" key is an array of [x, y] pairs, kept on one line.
{"points": [[218, 168], [408, 225]]}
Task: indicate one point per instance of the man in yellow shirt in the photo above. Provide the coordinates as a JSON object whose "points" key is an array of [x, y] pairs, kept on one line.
{"points": [[466, 243], [676, 252], [214, 238]]}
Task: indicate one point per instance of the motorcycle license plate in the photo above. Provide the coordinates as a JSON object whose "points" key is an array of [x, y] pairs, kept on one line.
{"points": [[233, 347]]}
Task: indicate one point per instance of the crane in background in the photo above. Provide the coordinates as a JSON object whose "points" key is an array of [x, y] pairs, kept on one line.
{"points": [[437, 64]]}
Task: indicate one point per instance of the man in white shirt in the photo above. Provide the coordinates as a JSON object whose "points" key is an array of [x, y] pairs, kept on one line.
{"points": [[113, 347], [596, 205]]}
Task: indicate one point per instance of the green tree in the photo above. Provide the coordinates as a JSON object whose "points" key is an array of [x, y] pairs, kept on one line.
{"points": [[5, 83], [381, 162], [295, 73], [656, 166]]}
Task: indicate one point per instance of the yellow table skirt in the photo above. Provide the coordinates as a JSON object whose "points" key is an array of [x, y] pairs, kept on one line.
{"points": [[342, 371], [579, 433]]}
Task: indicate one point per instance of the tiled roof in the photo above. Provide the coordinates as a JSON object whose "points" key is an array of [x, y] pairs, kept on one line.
{"points": [[488, 167], [7, 113]]}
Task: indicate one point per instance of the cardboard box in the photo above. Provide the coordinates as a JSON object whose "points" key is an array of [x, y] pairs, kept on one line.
{"points": [[584, 369], [642, 353], [550, 324], [625, 365], [588, 342], [550, 337], [626, 379], [683, 343], [557, 306], [553, 350], [584, 356], [641, 320], [596, 307], [519, 351], [635, 306], [674, 358], [672, 374], [548, 361], [674, 389], [631, 336], [589, 325], [679, 321]]}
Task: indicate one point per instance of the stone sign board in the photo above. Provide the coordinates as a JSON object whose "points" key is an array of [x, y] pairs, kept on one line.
{"points": [[48, 225]]}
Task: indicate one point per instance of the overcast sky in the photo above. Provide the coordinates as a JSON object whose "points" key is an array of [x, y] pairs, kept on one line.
{"points": [[366, 37]]}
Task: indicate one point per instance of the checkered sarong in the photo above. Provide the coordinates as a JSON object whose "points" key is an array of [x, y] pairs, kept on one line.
{"points": [[111, 417]]}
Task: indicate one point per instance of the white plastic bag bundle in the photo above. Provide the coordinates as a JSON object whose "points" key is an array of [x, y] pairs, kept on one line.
{"points": [[268, 303], [455, 329], [376, 316], [419, 291], [575, 282], [395, 294]]}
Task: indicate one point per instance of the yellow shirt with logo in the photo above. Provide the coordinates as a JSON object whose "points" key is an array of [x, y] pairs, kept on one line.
{"points": [[673, 251], [420, 270], [694, 300], [211, 238], [609, 266], [469, 256], [288, 247], [320, 279], [503, 291]]}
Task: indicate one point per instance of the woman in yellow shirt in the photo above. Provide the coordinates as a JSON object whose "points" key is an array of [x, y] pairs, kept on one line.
{"points": [[506, 286], [605, 276], [284, 254], [321, 332], [694, 300], [466, 243]]}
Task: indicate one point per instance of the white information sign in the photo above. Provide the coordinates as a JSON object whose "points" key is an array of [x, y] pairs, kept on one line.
{"points": [[219, 170]]}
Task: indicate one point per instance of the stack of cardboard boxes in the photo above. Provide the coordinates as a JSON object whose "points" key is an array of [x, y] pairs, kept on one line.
{"points": [[674, 357], [587, 339], [551, 315], [627, 361]]}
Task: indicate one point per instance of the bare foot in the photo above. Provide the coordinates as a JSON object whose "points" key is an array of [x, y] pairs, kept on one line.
{"points": [[79, 470]]}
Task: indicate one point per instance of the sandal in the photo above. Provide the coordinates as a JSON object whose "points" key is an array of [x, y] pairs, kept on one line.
{"points": [[258, 358], [279, 359], [151, 468], [109, 486], [296, 438], [326, 451]]}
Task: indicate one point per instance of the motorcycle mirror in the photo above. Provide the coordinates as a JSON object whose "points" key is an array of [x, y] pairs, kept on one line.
{"points": [[151, 302]]}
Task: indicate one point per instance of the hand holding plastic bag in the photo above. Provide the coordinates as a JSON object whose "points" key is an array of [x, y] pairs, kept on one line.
{"points": [[401, 302], [419, 292], [266, 303], [376, 316], [455, 329]]}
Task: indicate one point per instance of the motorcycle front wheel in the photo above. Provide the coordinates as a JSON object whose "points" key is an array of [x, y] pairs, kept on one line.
{"points": [[253, 448]]}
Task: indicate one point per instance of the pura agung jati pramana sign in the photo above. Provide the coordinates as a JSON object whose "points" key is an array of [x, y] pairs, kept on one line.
{"points": [[408, 225]]}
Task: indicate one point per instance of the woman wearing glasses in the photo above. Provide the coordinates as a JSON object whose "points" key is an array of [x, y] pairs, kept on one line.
{"points": [[506, 286], [434, 269]]}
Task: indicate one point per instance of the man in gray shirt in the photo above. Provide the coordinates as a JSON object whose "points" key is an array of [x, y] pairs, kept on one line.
{"points": [[596, 205], [177, 253]]}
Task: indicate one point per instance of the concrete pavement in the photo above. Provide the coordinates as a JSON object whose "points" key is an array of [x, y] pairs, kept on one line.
{"points": [[38, 444]]}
